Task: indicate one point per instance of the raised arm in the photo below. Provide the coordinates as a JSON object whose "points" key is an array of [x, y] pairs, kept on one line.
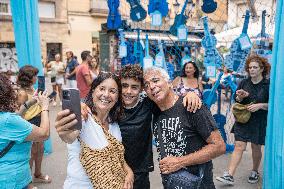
{"points": [[41, 133]]}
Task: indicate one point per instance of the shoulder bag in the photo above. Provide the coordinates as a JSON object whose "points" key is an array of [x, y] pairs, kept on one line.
{"points": [[6, 149]]}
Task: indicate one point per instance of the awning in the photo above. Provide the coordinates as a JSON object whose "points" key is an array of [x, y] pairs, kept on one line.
{"points": [[225, 38], [161, 36]]}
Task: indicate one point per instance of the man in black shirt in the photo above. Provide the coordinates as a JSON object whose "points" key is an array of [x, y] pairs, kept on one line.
{"points": [[135, 125], [190, 140]]}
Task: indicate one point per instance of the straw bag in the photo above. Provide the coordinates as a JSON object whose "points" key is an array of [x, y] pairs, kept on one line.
{"points": [[104, 167]]}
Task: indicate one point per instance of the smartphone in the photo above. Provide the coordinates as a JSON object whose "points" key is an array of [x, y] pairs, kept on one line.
{"points": [[52, 95], [71, 101], [41, 83]]}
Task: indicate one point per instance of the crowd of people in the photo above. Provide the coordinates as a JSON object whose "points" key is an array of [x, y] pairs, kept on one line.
{"points": [[120, 116]]}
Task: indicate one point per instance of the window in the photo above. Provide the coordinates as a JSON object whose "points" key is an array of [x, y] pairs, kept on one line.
{"points": [[46, 9], [5, 7], [52, 50]]}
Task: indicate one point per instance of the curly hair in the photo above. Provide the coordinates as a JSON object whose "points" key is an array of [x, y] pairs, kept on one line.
{"points": [[8, 97], [25, 76], [116, 111], [132, 71], [262, 62], [196, 73]]}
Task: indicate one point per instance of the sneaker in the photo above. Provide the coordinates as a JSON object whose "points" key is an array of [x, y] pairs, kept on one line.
{"points": [[226, 178], [254, 177]]}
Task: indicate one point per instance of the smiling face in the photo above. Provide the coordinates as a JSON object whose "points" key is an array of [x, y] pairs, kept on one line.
{"points": [[130, 91], [255, 70], [156, 86], [105, 95]]}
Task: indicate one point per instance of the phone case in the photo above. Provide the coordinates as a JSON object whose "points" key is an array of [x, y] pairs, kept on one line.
{"points": [[71, 101], [41, 83], [52, 95]]}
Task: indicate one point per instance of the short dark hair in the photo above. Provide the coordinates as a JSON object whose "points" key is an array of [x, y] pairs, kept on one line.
{"points": [[70, 53], [133, 71], [196, 73], [25, 76], [85, 54], [116, 111], [8, 97], [262, 62]]}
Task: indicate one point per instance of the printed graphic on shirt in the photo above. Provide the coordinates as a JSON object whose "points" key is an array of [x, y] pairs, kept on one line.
{"points": [[173, 136]]}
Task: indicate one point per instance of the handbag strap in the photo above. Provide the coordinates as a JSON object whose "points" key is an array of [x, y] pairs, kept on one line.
{"points": [[162, 147], [7, 148]]}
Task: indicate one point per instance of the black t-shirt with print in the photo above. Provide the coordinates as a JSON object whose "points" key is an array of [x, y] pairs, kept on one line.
{"points": [[136, 134], [184, 132]]}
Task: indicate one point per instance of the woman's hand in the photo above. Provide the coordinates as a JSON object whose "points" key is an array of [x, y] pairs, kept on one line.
{"points": [[63, 124], [242, 94], [43, 100], [255, 107], [129, 180]]}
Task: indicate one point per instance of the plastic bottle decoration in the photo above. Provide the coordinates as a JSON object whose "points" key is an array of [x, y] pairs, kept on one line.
{"points": [[182, 33], [156, 18], [122, 46], [147, 60], [186, 57], [160, 60]]}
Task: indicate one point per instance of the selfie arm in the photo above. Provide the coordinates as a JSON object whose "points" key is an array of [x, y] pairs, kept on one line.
{"points": [[63, 124]]}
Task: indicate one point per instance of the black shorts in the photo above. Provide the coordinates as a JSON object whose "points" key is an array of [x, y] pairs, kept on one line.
{"points": [[35, 120], [141, 180]]}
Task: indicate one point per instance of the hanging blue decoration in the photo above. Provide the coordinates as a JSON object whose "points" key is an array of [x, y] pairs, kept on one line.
{"points": [[114, 18]]}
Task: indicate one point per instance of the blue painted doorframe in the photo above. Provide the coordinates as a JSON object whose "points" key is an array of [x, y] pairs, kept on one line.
{"points": [[273, 174], [26, 30]]}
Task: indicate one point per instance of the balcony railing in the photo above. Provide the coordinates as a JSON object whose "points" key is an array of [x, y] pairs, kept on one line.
{"points": [[99, 8]]}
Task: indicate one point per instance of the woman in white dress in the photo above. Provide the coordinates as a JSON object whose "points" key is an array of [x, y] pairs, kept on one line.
{"points": [[57, 76], [100, 135]]}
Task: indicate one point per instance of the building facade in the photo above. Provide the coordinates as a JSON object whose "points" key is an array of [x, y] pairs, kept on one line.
{"points": [[76, 24]]}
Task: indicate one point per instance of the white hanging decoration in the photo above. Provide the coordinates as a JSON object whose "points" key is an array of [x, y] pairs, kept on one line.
{"points": [[122, 49], [156, 18], [182, 33]]}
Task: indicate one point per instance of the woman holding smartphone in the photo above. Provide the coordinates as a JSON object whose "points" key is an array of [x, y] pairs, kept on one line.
{"points": [[27, 77], [96, 154], [16, 136]]}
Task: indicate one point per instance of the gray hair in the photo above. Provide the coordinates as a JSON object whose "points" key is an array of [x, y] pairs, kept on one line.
{"points": [[160, 70]]}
